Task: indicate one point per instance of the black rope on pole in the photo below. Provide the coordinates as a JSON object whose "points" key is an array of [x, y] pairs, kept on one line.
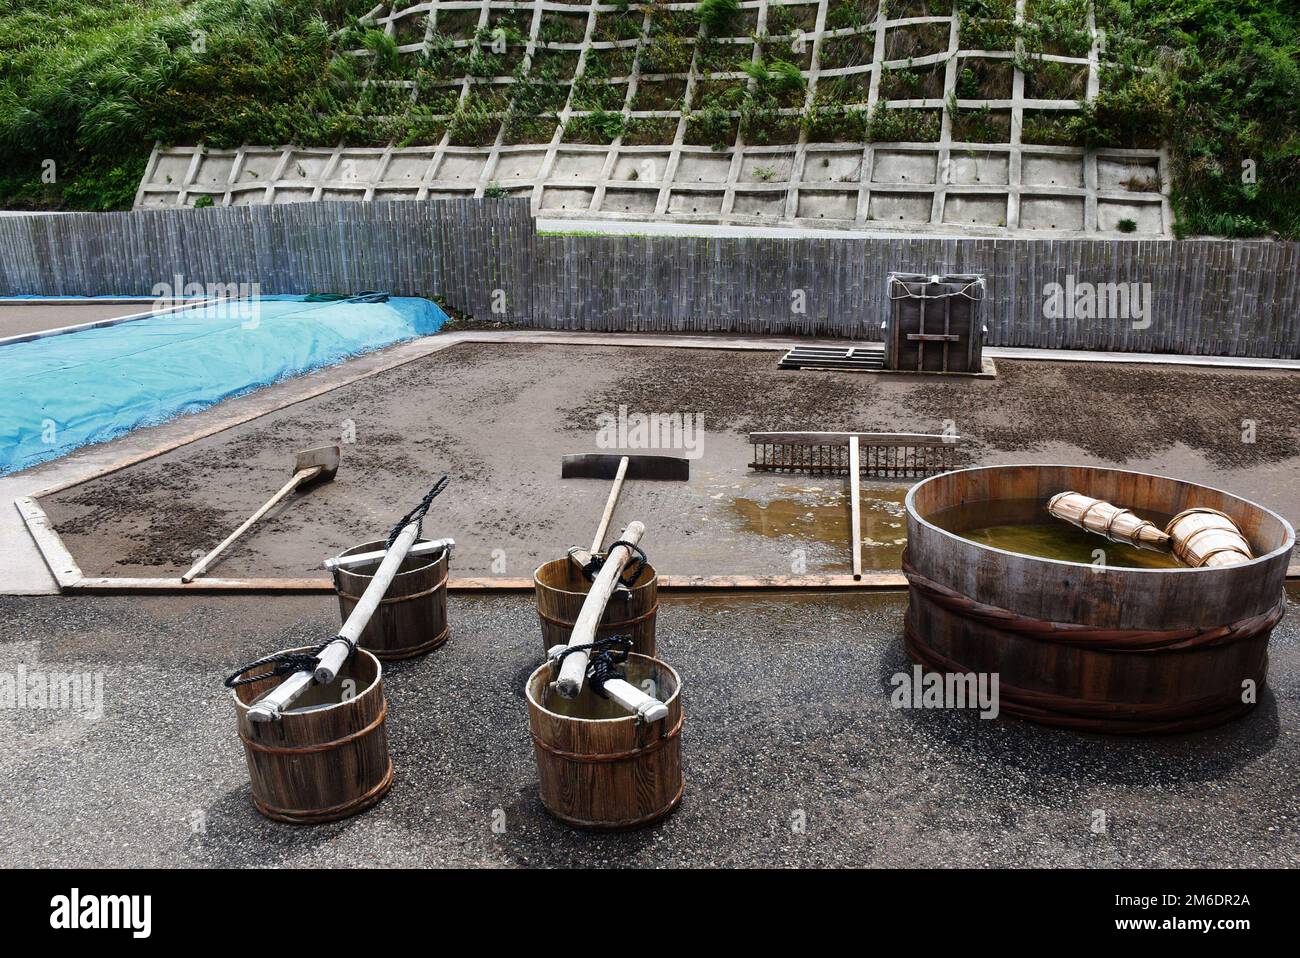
{"points": [[286, 663], [416, 515], [603, 657], [630, 571]]}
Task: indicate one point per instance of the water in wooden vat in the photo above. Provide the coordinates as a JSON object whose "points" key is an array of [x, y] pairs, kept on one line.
{"points": [[412, 618], [1112, 648], [599, 767], [1024, 526], [327, 757], [560, 589]]}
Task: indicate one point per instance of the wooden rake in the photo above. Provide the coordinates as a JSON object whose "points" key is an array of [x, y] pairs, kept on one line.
{"points": [[877, 455]]}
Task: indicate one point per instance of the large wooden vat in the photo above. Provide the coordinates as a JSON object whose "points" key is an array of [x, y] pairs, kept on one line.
{"points": [[1130, 650], [412, 617], [600, 767], [327, 757], [561, 588]]}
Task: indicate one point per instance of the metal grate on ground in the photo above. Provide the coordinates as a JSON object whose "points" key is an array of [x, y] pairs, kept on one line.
{"points": [[868, 358]]}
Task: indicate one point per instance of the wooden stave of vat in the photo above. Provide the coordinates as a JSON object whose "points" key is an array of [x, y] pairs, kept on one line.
{"points": [[324, 764], [1114, 650], [412, 617], [608, 774], [560, 590]]}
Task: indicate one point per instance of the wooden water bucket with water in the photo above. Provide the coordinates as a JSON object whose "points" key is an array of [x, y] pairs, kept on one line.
{"points": [[327, 757], [412, 618], [600, 767], [1107, 649], [561, 588]]}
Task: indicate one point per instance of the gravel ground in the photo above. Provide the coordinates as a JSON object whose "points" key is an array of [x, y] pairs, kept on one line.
{"points": [[786, 716]]}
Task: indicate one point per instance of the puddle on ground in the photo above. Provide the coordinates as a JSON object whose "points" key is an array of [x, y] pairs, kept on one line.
{"points": [[820, 513]]}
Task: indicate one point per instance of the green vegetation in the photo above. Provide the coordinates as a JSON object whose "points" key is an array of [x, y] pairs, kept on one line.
{"points": [[1225, 93], [87, 86], [719, 15]]}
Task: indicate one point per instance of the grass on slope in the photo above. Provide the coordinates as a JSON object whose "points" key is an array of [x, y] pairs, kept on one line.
{"points": [[91, 84]]}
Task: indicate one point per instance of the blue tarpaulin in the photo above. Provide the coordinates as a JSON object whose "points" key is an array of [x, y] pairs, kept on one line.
{"points": [[69, 390]]}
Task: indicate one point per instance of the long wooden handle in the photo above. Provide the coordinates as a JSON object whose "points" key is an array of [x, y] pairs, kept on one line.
{"points": [[337, 652], [610, 503], [626, 694], [855, 507], [574, 670], [334, 655], [270, 705], [298, 478], [431, 547]]}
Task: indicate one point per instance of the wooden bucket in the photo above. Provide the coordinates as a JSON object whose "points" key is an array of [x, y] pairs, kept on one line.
{"points": [[1106, 649], [1207, 537], [412, 618], [600, 767], [327, 757], [561, 588]]}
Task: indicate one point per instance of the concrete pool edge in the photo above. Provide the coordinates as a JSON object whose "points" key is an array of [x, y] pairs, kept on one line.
{"points": [[70, 579]]}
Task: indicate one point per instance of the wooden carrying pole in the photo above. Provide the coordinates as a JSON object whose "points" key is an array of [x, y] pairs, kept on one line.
{"points": [[855, 507], [334, 655], [337, 652], [573, 671], [610, 503]]}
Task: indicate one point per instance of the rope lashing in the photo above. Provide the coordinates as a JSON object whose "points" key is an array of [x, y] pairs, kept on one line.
{"points": [[603, 658], [633, 568], [286, 663], [417, 514], [977, 283]]}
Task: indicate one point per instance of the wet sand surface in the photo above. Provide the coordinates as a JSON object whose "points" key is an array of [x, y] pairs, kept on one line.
{"points": [[498, 419], [18, 320]]}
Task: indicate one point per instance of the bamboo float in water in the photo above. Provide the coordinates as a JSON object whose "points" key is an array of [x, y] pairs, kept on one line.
{"points": [[1207, 537], [1197, 537], [1104, 519]]}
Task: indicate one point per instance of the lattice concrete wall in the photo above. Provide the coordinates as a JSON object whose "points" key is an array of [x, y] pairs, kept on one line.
{"points": [[659, 169]]}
